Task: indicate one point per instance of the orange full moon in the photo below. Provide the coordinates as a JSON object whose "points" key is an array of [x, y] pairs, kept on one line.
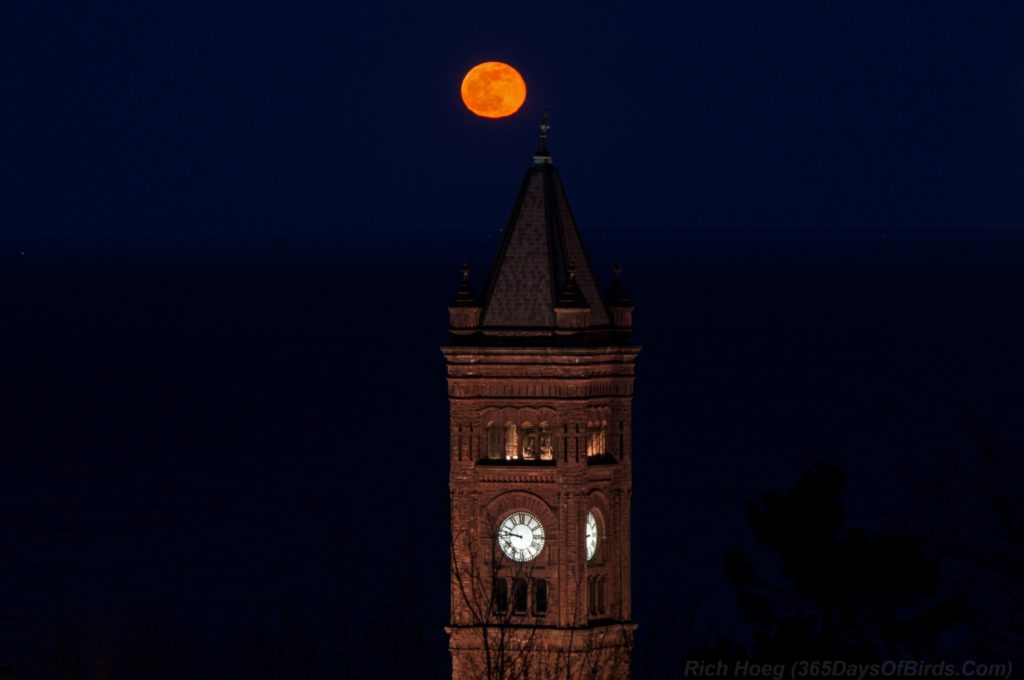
{"points": [[493, 90]]}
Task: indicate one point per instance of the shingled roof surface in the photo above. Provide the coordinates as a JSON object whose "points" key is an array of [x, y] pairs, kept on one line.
{"points": [[540, 244]]}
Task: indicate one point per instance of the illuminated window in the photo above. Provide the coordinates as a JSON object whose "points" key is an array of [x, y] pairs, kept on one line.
{"points": [[495, 442], [546, 449], [520, 595], [597, 438], [511, 442], [531, 442], [500, 596], [540, 596]]}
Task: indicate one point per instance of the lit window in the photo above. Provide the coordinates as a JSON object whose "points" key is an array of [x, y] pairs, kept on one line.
{"points": [[546, 449], [597, 438], [495, 442], [531, 442], [527, 441], [511, 442]]}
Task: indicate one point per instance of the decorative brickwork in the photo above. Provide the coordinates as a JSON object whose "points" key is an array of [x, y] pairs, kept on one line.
{"points": [[541, 426]]}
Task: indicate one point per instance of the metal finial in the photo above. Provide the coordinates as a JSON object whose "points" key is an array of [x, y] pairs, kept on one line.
{"points": [[465, 271], [542, 155], [617, 271]]}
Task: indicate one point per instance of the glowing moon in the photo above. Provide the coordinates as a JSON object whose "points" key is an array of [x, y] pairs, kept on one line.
{"points": [[493, 90]]}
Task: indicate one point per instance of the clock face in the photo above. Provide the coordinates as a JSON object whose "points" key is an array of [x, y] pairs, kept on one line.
{"points": [[591, 536], [521, 536]]}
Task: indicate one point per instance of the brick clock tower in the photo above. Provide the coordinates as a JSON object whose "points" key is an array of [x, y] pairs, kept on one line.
{"points": [[540, 373]]}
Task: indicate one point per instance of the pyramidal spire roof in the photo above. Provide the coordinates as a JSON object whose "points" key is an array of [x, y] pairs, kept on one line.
{"points": [[542, 263]]}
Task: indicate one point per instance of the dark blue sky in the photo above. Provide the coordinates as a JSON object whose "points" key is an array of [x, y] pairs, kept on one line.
{"points": [[240, 122], [818, 206]]}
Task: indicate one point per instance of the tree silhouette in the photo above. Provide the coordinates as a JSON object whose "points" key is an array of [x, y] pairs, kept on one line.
{"points": [[843, 593], [971, 512]]}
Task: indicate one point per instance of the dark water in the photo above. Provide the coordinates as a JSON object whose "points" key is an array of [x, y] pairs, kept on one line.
{"points": [[210, 445]]}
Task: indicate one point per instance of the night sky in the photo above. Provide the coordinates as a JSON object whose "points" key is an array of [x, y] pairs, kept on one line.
{"points": [[229, 233]]}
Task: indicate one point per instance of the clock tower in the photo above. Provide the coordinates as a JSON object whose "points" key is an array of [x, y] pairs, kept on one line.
{"points": [[540, 370]]}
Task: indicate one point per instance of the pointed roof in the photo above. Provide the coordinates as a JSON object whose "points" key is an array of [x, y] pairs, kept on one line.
{"points": [[540, 250]]}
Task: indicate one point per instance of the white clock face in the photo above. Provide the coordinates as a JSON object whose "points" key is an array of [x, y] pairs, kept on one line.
{"points": [[591, 536], [521, 536]]}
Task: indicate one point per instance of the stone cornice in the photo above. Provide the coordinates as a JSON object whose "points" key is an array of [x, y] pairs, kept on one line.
{"points": [[532, 390], [547, 355]]}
